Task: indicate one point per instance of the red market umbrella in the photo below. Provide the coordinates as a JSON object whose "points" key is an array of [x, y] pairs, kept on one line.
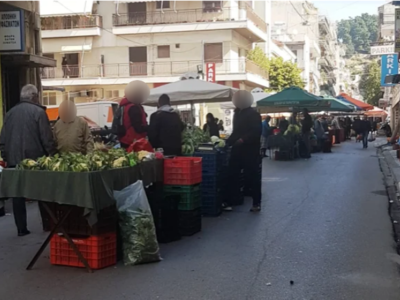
{"points": [[360, 104]]}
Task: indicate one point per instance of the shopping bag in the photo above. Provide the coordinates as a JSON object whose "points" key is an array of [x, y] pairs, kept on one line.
{"points": [[371, 137], [139, 240], [359, 137], [139, 145]]}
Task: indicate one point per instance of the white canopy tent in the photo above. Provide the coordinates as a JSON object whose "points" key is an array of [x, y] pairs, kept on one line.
{"points": [[192, 91], [258, 94]]}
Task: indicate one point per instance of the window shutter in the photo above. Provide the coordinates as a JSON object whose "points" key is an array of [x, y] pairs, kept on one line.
{"points": [[163, 51], [213, 53]]}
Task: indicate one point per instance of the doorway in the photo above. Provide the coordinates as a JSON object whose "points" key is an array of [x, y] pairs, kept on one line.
{"points": [[71, 65], [137, 13], [137, 61]]}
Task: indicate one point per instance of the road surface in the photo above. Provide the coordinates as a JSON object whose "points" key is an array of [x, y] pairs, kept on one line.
{"points": [[324, 227]]}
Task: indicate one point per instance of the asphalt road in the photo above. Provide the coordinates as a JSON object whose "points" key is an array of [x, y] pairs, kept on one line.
{"points": [[324, 226]]}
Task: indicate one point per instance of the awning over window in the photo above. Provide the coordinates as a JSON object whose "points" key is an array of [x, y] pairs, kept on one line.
{"points": [[27, 60], [70, 45], [49, 8]]}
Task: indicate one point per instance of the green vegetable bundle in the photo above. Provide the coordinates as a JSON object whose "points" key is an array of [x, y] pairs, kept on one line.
{"points": [[192, 138], [76, 162]]}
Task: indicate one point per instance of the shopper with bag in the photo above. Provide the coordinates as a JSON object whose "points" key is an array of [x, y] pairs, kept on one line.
{"points": [[365, 128]]}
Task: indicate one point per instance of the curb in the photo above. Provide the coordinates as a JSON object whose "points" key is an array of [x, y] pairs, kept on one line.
{"points": [[389, 168]]}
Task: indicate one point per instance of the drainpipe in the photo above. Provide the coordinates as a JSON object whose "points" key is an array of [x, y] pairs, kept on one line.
{"points": [[162, 6], [175, 6], [82, 56]]}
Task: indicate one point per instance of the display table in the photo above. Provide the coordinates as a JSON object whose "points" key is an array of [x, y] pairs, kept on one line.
{"points": [[91, 190]]}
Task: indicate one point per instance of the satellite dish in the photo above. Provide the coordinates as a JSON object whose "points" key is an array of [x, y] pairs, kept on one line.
{"points": [[257, 90], [190, 76]]}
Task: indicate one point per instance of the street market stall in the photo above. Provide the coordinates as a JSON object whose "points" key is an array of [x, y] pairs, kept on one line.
{"points": [[90, 190], [357, 103]]}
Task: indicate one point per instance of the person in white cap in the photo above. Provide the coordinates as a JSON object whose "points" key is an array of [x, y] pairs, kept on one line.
{"points": [[245, 154], [130, 121]]}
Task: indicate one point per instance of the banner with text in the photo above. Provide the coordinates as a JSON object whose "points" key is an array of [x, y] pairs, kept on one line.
{"points": [[389, 66], [210, 72], [11, 29]]}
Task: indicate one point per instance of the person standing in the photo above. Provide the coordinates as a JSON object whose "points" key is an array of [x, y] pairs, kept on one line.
{"points": [[26, 133], [319, 132], [165, 129], [293, 118], [221, 125], [72, 133], [307, 124], [357, 128], [132, 114], [348, 123], [211, 126], [283, 125], [65, 67], [365, 128], [265, 133], [245, 153]]}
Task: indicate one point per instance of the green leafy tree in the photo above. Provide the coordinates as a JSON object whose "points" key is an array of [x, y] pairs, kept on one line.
{"points": [[370, 84], [282, 74], [358, 33]]}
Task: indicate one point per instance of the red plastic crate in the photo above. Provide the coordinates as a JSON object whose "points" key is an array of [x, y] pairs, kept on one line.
{"points": [[182, 170], [99, 251]]}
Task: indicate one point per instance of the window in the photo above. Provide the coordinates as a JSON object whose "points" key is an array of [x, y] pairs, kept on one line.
{"points": [[165, 4], [112, 93], [213, 53], [163, 52], [211, 6], [49, 98]]}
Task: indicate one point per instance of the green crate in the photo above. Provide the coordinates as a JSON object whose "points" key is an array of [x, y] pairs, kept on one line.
{"points": [[190, 195]]}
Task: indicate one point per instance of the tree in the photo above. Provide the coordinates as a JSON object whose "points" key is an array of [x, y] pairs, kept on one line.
{"points": [[370, 83], [282, 74], [358, 33]]}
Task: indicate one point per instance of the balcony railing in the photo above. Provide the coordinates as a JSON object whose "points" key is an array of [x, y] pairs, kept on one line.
{"points": [[187, 16], [71, 22], [173, 68]]}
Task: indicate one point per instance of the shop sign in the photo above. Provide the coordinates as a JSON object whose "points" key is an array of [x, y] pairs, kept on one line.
{"points": [[389, 66], [11, 31], [210, 72], [383, 49]]}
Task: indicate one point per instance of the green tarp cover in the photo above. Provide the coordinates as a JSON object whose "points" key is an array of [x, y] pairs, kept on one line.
{"points": [[91, 190]]}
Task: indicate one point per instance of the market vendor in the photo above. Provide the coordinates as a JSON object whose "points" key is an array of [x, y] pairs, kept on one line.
{"points": [[134, 118], [26, 133], [245, 153], [72, 133]]}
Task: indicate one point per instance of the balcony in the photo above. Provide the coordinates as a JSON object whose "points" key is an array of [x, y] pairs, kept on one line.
{"points": [[225, 68], [243, 17], [65, 26]]}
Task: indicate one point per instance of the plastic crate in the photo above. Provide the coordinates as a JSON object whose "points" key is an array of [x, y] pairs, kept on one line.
{"points": [[210, 161], [166, 219], [190, 222], [76, 223], [182, 170], [211, 204], [190, 196], [99, 251]]}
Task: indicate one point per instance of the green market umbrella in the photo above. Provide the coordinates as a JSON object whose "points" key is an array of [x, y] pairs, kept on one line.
{"points": [[293, 99]]}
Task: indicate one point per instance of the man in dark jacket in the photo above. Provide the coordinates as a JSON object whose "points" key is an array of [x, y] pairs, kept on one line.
{"points": [[245, 154], [26, 133], [165, 129], [365, 128]]}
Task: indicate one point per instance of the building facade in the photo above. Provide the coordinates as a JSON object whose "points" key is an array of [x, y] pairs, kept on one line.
{"points": [[386, 22], [101, 46], [20, 50]]}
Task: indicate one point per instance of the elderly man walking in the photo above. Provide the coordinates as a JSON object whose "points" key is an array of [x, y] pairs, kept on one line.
{"points": [[26, 133]]}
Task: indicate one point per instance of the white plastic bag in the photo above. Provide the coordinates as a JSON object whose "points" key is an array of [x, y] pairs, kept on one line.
{"points": [[371, 137], [139, 240]]}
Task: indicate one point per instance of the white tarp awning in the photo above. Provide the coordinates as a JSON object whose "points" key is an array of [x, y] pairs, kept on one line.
{"points": [[50, 8], [192, 91], [70, 45]]}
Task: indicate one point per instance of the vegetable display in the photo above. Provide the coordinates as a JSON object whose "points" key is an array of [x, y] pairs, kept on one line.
{"points": [[192, 138], [76, 162]]}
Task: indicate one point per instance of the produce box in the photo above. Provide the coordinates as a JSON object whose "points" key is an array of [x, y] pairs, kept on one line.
{"points": [[99, 251], [190, 222], [182, 170], [190, 196]]}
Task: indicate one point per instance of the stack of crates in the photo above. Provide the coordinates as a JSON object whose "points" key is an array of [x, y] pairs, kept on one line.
{"points": [[182, 177], [213, 179], [97, 243]]}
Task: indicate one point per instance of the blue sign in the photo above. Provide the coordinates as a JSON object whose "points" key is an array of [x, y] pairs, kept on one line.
{"points": [[389, 66]]}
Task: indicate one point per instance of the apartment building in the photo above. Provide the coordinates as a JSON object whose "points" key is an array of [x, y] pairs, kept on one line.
{"points": [[386, 22], [101, 46], [330, 55], [20, 50], [295, 23]]}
